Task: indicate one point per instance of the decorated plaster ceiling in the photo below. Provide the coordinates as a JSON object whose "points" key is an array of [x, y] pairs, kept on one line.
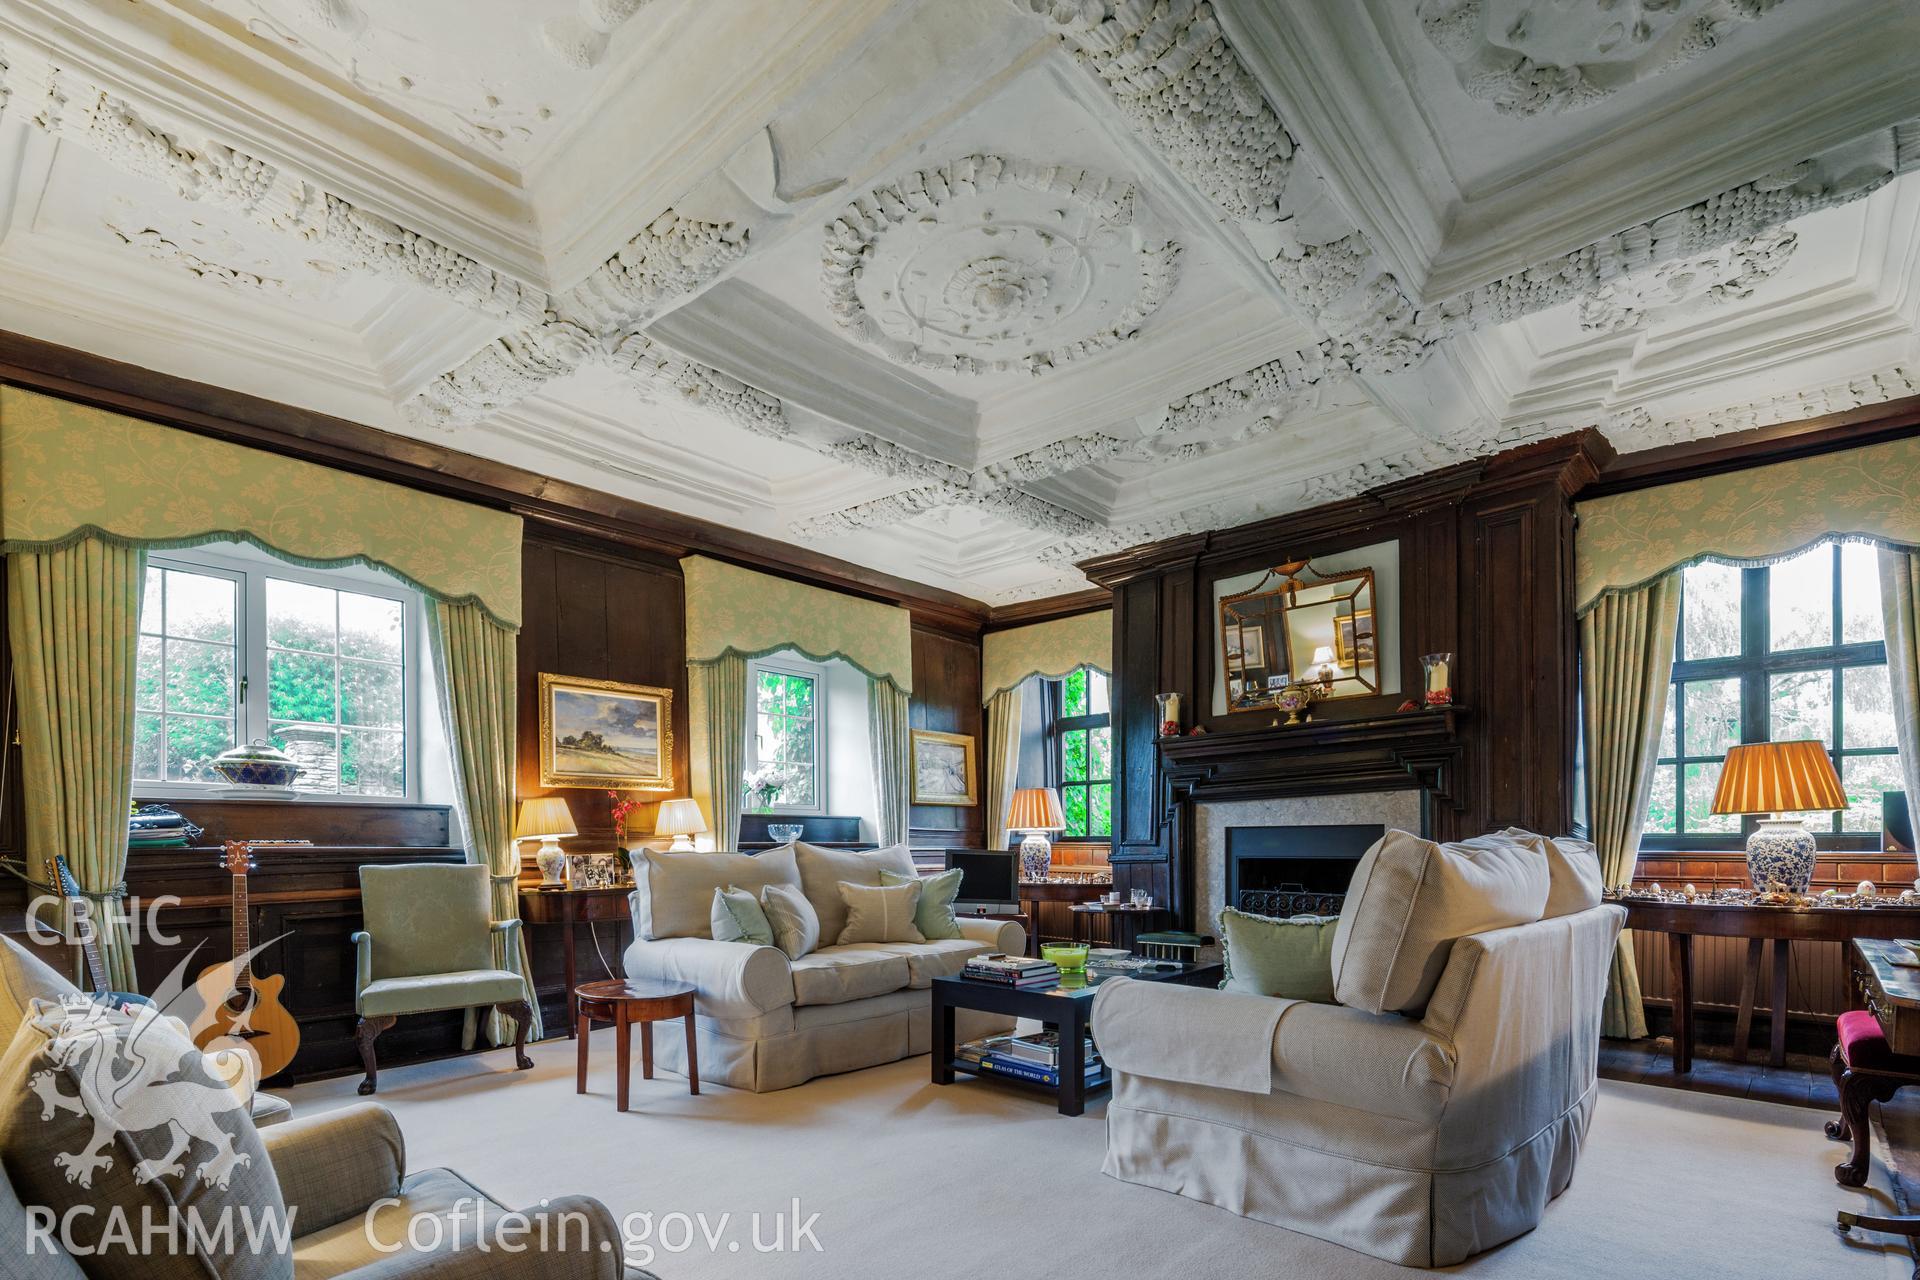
{"points": [[967, 290], [1524, 57], [985, 264]]}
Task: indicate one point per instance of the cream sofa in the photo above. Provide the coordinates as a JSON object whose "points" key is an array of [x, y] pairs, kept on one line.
{"points": [[1430, 1115], [764, 1022]]}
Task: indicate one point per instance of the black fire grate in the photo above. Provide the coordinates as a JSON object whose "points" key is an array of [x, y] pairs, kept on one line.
{"points": [[1282, 903]]}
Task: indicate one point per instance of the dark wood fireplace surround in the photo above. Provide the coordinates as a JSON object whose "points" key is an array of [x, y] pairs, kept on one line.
{"points": [[1486, 573]]}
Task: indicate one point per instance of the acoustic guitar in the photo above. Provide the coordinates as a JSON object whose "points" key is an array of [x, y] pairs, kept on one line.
{"points": [[239, 1002], [89, 941]]}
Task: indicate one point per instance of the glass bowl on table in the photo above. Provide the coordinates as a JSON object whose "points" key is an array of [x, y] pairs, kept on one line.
{"points": [[1069, 957]]}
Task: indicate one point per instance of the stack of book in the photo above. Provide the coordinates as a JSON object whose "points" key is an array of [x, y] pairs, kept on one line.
{"points": [[158, 827], [1034, 1057], [1012, 971]]}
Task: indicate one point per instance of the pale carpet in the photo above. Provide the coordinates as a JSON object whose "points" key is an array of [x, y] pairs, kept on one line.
{"points": [[978, 1179]]}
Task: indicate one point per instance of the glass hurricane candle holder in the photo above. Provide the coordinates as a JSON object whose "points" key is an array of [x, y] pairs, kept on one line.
{"points": [[1169, 704], [1439, 679]]}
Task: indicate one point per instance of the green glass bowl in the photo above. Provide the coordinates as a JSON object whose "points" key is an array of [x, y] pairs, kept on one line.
{"points": [[1071, 959]]}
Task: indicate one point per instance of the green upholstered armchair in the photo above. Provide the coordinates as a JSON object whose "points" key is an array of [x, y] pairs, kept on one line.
{"points": [[428, 946]]}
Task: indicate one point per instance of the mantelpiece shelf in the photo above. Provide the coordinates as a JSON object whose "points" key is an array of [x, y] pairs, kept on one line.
{"points": [[1405, 749]]}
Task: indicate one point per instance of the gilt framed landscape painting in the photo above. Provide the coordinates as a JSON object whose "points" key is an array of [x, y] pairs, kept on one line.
{"points": [[601, 733], [943, 768]]}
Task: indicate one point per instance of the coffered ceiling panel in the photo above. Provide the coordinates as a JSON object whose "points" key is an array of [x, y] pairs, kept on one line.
{"points": [[968, 289]]}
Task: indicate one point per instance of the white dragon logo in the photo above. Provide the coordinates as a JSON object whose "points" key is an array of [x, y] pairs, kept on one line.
{"points": [[137, 1070]]}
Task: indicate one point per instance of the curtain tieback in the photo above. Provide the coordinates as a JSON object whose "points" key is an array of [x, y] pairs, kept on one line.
{"points": [[510, 878], [17, 869]]}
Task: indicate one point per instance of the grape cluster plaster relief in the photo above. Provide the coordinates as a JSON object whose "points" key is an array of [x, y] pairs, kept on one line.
{"points": [[1535, 57]]}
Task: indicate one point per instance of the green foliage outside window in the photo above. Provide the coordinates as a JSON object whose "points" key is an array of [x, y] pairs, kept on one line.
{"points": [[1791, 651], [336, 684], [1085, 755], [785, 734]]}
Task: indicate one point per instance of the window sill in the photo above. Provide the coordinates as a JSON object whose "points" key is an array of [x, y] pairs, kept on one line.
{"points": [[235, 795]]}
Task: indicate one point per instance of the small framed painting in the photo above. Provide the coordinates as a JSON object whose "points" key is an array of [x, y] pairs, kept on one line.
{"points": [[604, 734], [943, 768]]}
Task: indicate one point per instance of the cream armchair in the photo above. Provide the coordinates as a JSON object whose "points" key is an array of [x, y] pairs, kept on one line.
{"points": [[1420, 1140], [428, 946]]}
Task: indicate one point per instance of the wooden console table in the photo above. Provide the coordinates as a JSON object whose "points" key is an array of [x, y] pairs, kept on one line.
{"points": [[566, 907], [1034, 892], [1782, 926]]}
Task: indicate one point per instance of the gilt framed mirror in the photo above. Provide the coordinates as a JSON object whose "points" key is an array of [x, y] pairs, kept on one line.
{"points": [[1297, 624]]}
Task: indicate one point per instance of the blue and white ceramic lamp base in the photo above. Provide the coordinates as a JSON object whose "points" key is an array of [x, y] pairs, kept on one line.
{"points": [[1781, 851], [1036, 858]]}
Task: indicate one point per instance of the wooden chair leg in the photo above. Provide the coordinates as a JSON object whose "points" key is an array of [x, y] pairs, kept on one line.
{"points": [[364, 1034], [584, 1028], [1837, 1066], [522, 1015], [1858, 1092]]}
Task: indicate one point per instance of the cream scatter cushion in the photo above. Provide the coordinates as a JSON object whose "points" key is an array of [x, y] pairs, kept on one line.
{"points": [[796, 927], [1411, 898], [880, 913], [1267, 956], [823, 870], [737, 917], [673, 892], [934, 917], [1573, 872]]}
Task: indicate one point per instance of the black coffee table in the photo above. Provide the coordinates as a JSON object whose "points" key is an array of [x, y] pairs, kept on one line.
{"points": [[1065, 1007]]}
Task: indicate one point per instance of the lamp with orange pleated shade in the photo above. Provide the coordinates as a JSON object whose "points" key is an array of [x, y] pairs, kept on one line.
{"points": [[1036, 810], [1779, 778]]}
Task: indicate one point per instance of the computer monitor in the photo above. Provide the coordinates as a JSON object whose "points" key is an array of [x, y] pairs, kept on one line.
{"points": [[1896, 822], [986, 880]]}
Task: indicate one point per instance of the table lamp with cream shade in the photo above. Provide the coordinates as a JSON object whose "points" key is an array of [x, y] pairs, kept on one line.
{"points": [[682, 820], [1036, 811], [546, 819], [1324, 667], [1777, 779]]}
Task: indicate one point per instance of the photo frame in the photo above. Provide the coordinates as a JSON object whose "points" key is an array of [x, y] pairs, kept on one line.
{"points": [[1353, 640], [605, 734], [943, 771]]}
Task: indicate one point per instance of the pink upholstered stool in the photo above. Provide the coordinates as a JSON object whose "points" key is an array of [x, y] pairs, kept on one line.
{"points": [[1865, 1070]]}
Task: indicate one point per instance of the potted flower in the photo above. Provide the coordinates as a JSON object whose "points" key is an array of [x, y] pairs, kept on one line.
{"points": [[621, 808], [763, 785]]}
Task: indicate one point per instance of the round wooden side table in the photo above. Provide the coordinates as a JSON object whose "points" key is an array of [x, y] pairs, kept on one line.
{"points": [[624, 1003]]}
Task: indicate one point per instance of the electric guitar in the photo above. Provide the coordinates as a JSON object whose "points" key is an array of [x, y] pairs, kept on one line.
{"points": [[89, 940], [239, 1002]]}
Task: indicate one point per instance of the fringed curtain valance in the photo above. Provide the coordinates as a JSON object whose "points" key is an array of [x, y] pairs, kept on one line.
{"points": [[1629, 540], [1049, 649], [730, 609], [74, 472]]}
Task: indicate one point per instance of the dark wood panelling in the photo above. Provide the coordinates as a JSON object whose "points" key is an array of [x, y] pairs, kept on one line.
{"points": [[320, 821], [307, 901], [604, 613], [1485, 570], [946, 699], [1027, 612]]}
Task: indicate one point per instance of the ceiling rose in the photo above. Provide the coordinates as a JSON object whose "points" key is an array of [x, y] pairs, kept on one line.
{"points": [[986, 265]]}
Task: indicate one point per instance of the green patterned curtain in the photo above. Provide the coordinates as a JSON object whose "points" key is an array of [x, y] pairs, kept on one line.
{"points": [[475, 658], [892, 741], [717, 716], [1900, 603], [1003, 761], [73, 613], [1626, 663]]}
